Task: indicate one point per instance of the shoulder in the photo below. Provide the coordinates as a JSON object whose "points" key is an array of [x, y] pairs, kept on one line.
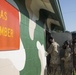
{"points": [[56, 44]]}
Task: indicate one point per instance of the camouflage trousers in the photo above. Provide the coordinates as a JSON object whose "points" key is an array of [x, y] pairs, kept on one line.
{"points": [[54, 69], [68, 68], [74, 61], [68, 72]]}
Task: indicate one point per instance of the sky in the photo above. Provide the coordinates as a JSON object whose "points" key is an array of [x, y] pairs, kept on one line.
{"points": [[68, 8]]}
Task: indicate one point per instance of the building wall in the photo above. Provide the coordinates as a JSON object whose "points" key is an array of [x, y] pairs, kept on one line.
{"points": [[30, 58]]}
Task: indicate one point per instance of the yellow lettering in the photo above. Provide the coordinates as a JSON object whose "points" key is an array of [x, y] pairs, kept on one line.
{"points": [[10, 32], [3, 15], [6, 31], [1, 31]]}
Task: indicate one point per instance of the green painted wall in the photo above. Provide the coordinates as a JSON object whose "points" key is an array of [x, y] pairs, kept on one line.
{"points": [[32, 66]]}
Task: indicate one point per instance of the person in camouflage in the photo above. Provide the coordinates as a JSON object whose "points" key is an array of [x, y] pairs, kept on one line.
{"points": [[68, 62], [53, 50], [74, 53]]}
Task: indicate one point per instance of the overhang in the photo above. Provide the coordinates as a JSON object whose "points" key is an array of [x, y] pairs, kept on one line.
{"points": [[51, 6]]}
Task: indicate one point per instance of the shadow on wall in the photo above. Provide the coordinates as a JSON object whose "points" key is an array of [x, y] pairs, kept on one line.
{"points": [[61, 37]]}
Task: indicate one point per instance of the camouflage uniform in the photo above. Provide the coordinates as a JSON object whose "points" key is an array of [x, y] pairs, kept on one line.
{"points": [[62, 54], [55, 59], [74, 59], [68, 62]]}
